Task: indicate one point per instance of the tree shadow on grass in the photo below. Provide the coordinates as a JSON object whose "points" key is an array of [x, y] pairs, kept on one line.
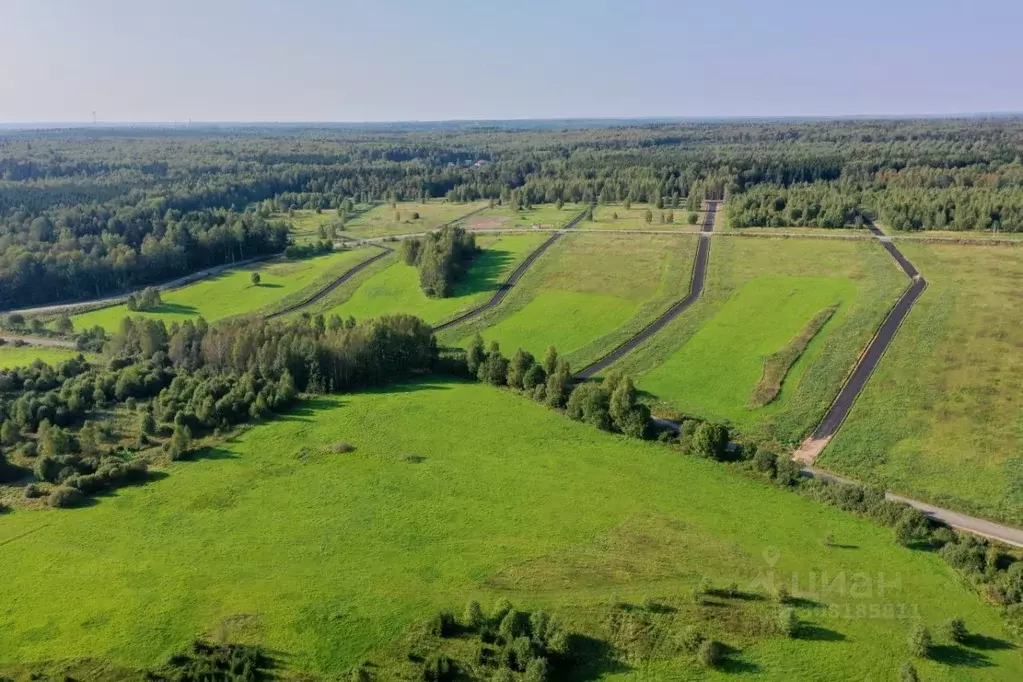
{"points": [[270, 285], [593, 660], [175, 309], [212, 453], [959, 656], [816, 633], [985, 643], [484, 273]]}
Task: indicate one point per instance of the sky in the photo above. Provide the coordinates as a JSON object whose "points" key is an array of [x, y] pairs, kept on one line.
{"points": [[403, 60]]}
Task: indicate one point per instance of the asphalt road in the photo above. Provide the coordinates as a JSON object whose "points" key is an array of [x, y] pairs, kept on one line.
{"points": [[347, 275], [697, 280]]}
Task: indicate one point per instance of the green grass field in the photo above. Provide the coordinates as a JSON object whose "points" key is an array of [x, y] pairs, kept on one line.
{"points": [[26, 355], [381, 220], [232, 292], [759, 293], [588, 293], [396, 289], [635, 218], [330, 559], [714, 373], [545, 215], [942, 417]]}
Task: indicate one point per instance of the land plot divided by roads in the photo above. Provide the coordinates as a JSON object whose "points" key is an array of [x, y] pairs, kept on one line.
{"points": [[380, 220], [760, 295], [394, 288], [233, 293], [940, 418], [587, 294]]}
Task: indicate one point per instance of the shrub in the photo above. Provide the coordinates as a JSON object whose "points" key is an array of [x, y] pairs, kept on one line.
{"points": [[523, 649], [474, 617], [710, 440], [782, 594], [33, 491], [442, 624], [788, 622], [691, 639], [920, 641], [589, 403], [534, 376], [343, 447], [787, 472], [511, 626], [438, 668], [955, 630], [501, 609], [536, 670], [503, 675], [64, 496], [540, 393], [908, 673], [710, 653]]}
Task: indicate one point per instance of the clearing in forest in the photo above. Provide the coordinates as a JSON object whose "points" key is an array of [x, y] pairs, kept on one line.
{"points": [[941, 418], [558, 515], [232, 292], [759, 294], [380, 220], [634, 218], [395, 288], [545, 215], [587, 294]]}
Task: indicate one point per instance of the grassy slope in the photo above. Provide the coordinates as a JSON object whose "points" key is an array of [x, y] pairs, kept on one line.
{"points": [[378, 220], [329, 558], [816, 377], [589, 293], [232, 292], [396, 288], [26, 355], [941, 417]]}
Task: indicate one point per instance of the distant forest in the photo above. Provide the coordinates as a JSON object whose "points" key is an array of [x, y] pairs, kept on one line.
{"points": [[93, 211]]}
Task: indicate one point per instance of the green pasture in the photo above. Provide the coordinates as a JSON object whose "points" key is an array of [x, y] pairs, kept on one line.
{"points": [[588, 293], [233, 293], [544, 215], [12, 356], [396, 289], [634, 218], [942, 416], [457, 492], [381, 220], [763, 291], [714, 373]]}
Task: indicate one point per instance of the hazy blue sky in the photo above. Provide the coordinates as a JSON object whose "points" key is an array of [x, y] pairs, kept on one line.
{"points": [[344, 60]]}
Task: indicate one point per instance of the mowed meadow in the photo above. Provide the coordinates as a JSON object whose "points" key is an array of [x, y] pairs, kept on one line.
{"points": [[456, 492], [942, 417], [759, 295], [586, 294], [20, 356], [233, 293]]}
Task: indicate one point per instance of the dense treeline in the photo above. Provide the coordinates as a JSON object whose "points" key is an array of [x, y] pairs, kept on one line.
{"points": [[442, 258], [87, 212]]}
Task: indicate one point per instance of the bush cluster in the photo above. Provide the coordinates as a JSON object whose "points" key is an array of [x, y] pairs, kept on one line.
{"points": [[442, 258]]}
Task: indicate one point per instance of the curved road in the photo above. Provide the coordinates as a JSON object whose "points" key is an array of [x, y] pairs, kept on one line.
{"points": [[697, 280]]}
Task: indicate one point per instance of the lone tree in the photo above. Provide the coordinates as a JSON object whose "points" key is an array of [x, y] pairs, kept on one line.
{"points": [[920, 641], [648, 216], [255, 279]]}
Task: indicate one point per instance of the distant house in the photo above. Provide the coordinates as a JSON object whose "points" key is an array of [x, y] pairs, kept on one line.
{"points": [[480, 163]]}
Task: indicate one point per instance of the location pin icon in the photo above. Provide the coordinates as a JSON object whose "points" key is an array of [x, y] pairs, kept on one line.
{"points": [[771, 556]]}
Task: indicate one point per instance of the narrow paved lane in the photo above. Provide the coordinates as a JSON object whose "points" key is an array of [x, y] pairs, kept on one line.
{"points": [[697, 280], [347, 275]]}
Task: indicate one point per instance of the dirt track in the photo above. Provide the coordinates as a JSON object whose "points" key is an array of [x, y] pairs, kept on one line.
{"points": [[38, 341], [695, 289]]}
